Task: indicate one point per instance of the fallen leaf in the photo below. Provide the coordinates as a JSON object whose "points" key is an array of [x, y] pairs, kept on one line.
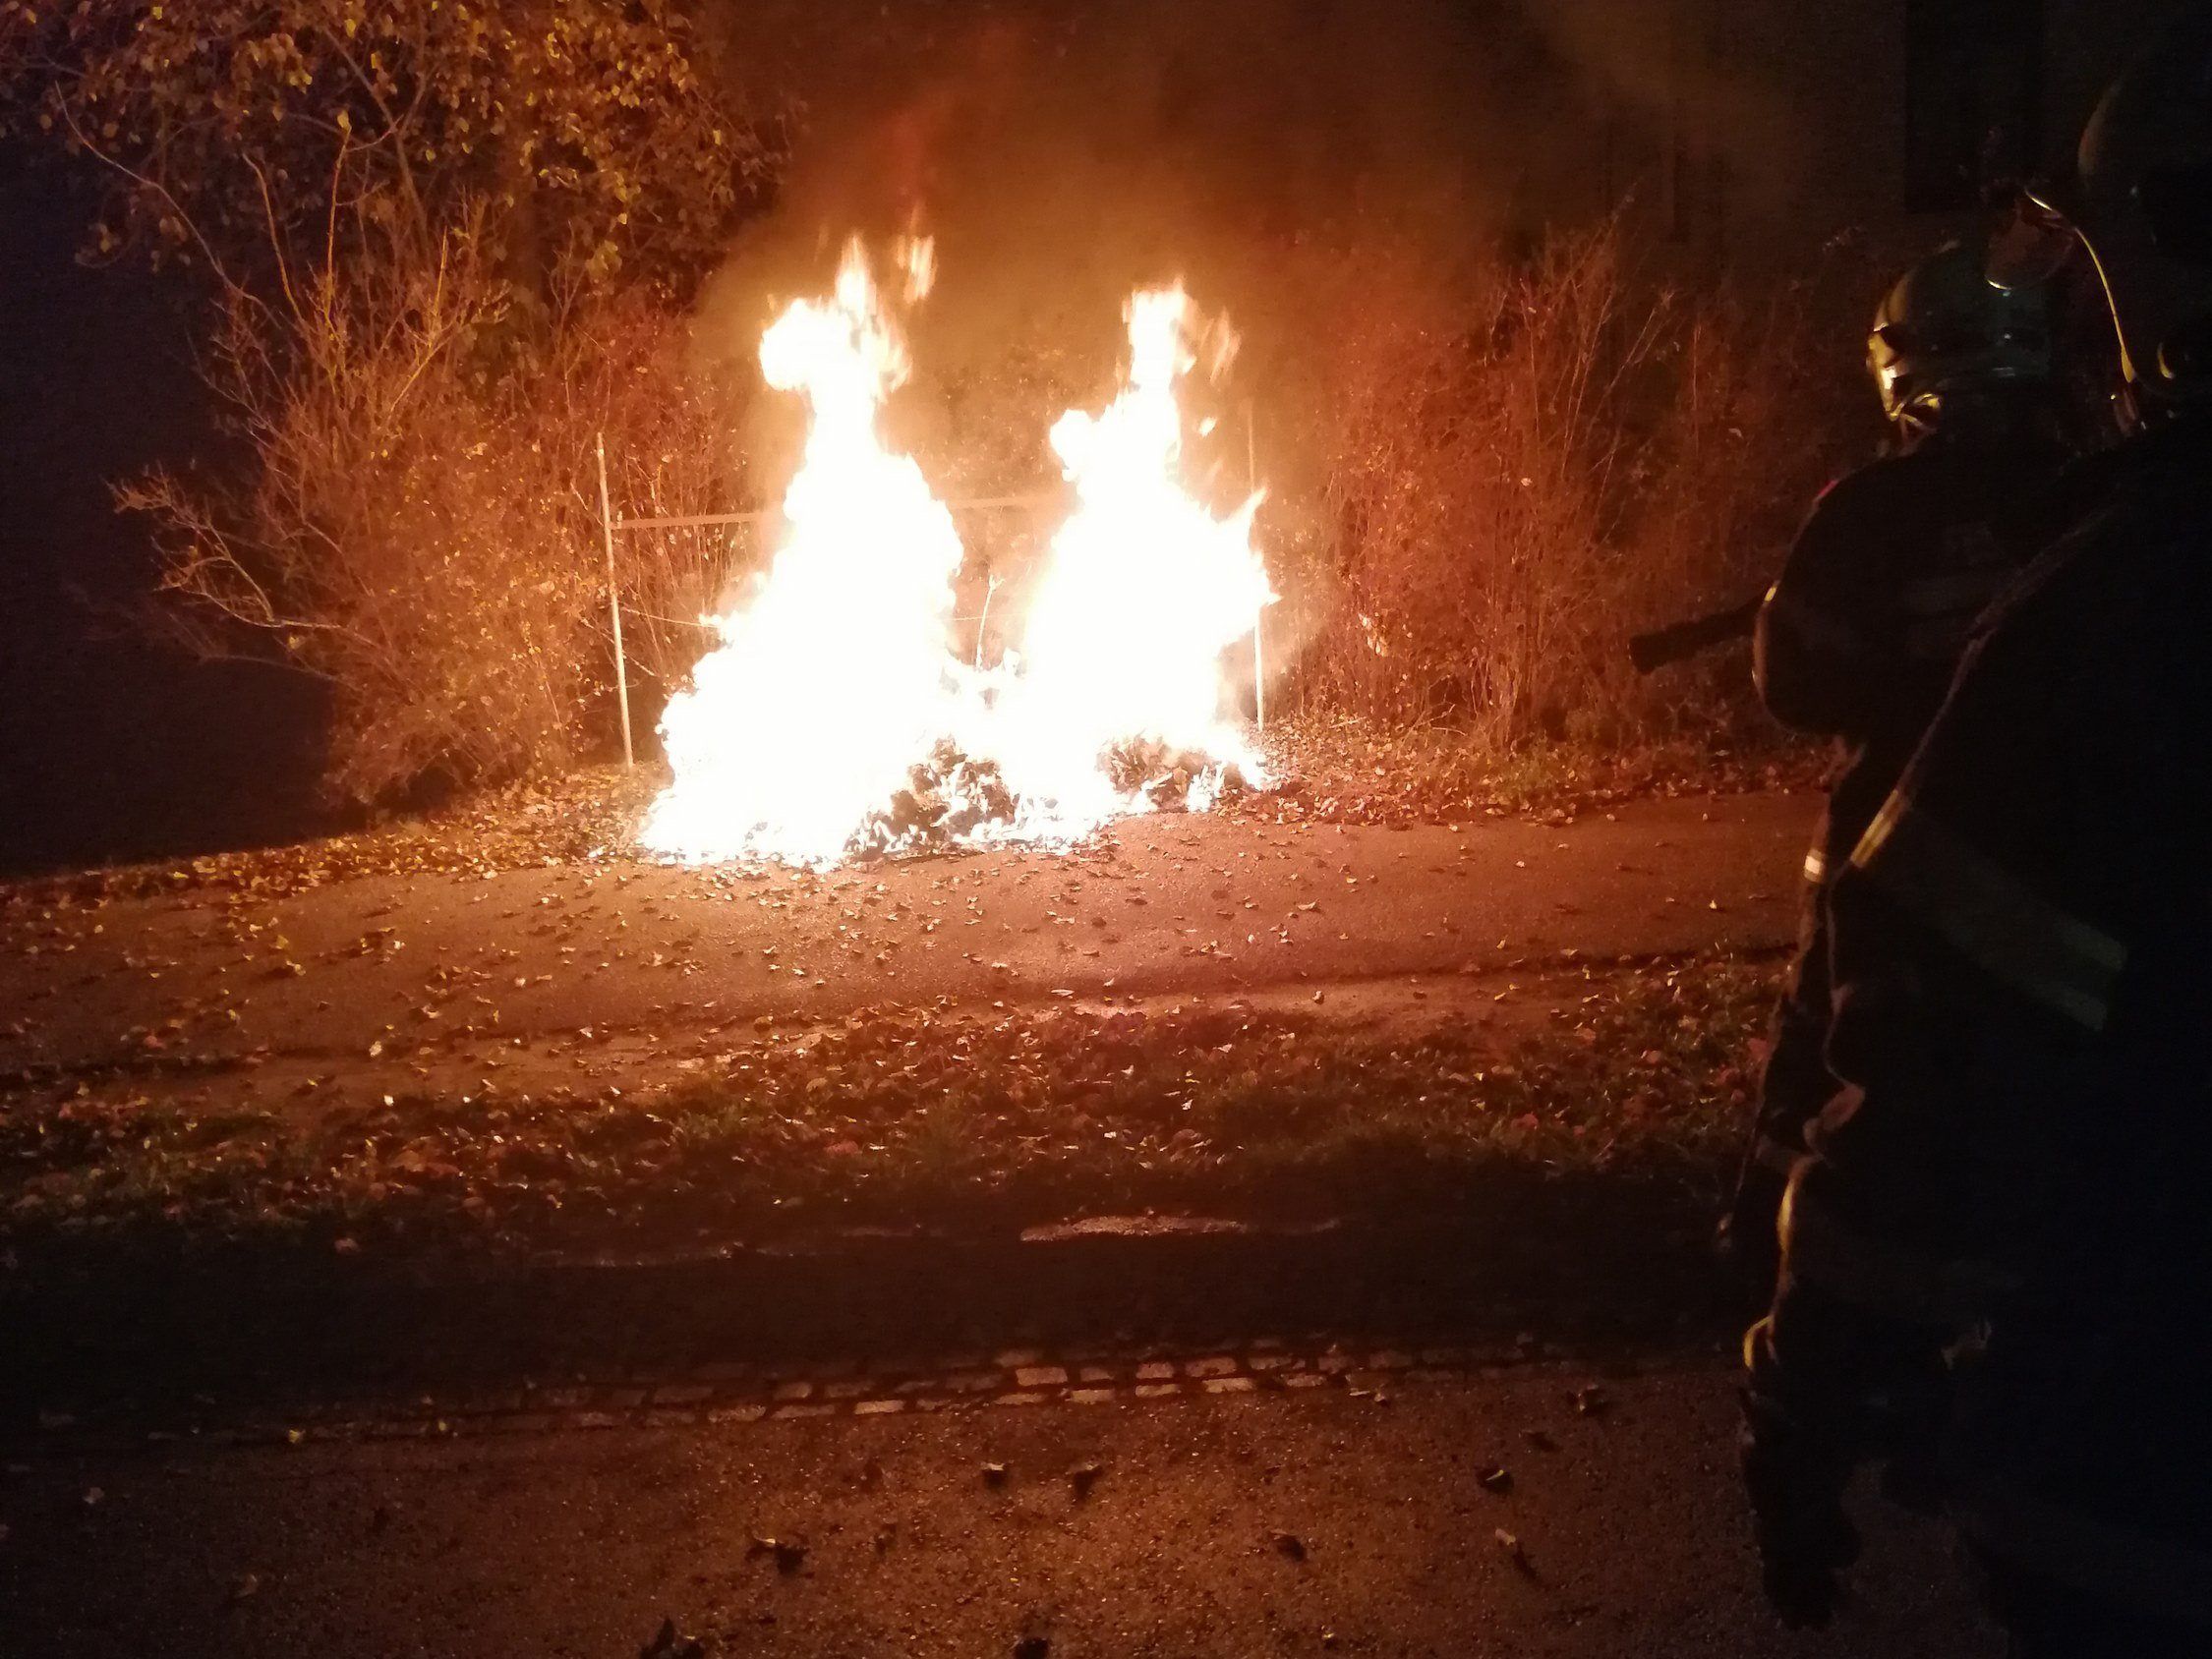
{"points": [[1510, 1543], [790, 1553], [667, 1644]]}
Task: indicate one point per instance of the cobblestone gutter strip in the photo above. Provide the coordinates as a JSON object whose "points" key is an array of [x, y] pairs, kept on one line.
{"points": [[738, 1394], [1570, 1260], [1092, 1317]]}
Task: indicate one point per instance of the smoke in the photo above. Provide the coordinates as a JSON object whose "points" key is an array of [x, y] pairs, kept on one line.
{"points": [[1315, 170], [1062, 155], [1707, 80]]}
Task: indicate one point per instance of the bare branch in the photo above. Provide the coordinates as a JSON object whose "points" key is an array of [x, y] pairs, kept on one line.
{"points": [[153, 186]]}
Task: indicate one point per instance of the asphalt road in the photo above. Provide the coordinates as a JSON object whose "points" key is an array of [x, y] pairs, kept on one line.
{"points": [[399, 968], [1274, 1523]]}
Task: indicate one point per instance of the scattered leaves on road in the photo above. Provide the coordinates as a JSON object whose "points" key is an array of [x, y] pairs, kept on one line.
{"points": [[1354, 772]]}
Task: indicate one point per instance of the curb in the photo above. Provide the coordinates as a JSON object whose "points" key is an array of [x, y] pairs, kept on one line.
{"points": [[241, 1321], [728, 1395]]}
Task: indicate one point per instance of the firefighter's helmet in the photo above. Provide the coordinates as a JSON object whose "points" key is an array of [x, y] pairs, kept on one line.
{"points": [[1946, 332], [2144, 211]]}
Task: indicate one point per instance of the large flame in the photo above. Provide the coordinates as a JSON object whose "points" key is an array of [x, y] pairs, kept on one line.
{"points": [[834, 700], [829, 681], [1143, 593]]}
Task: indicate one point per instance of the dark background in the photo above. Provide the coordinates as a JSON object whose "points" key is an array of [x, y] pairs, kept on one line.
{"points": [[112, 743]]}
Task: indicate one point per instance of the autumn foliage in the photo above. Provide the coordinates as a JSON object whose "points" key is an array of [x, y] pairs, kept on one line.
{"points": [[1521, 463], [422, 228], [584, 141]]}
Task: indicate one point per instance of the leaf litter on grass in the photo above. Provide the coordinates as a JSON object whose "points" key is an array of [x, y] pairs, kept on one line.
{"points": [[941, 1117]]}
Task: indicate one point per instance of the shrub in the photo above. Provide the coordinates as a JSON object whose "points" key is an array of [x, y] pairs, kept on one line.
{"points": [[1520, 465], [420, 224], [419, 525]]}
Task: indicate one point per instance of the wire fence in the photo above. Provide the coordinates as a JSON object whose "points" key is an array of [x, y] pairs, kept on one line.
{"points": [[611, 524]]}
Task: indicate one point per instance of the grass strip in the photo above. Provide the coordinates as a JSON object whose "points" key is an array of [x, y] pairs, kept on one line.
{"points": [[912, 1117]]}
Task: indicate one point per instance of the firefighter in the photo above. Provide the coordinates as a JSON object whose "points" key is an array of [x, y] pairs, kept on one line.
{"points": [[1858, 640], [2014, 1177]]}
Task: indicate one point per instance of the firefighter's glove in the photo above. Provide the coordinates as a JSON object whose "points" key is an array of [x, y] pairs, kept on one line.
{"points": [[1796, 1488]]}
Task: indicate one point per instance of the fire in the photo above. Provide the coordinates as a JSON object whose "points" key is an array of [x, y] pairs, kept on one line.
{"points": [[829, 681], [1144, 592], [833, 704]]}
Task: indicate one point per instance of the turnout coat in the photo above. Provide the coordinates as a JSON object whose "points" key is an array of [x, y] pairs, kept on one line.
{"points": [[2020, 1164]]}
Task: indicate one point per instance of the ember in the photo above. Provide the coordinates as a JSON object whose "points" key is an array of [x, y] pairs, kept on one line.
{"points": [[834, 718]]}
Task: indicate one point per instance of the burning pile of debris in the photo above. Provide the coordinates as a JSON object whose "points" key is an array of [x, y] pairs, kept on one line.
{"points": [[1172, 779], [832, 718], [948, 799], [953, 799]]}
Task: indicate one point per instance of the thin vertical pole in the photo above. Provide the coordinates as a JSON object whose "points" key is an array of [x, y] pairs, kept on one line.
{"points": [[614, 606], [985, 621], [1258, 671], [1258, 637]]}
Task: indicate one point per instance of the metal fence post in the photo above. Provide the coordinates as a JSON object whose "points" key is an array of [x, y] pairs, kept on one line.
{"points": [[614, 605], [1258, 645]]}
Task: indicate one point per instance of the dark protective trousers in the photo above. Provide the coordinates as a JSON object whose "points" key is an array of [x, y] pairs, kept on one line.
{"points": [[1796, 1082]]}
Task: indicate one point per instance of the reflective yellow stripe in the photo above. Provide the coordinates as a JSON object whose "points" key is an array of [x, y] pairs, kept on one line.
{"points": [[2034, 946], [1873, 1272], [1816, 867], [1878, 832], [2141, 1571]]}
